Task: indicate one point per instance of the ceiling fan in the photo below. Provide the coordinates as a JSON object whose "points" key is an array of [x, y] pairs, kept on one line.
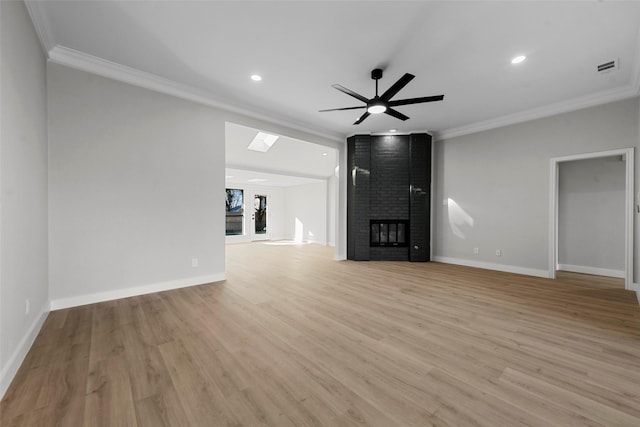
{"points": [[383, 103]]}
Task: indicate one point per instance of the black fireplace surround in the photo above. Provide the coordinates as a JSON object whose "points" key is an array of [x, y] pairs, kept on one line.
{"points": [[388, 197]]}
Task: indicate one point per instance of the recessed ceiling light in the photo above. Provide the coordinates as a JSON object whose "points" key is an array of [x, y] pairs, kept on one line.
{"points": [[256, 77], [518, 59], [393, 130], [324, 154], [257, 180], [262, 142]]}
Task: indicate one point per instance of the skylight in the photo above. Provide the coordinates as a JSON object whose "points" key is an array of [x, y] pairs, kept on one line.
{"points": [[262, 142]]}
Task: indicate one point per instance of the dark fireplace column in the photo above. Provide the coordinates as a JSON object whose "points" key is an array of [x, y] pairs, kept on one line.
{"points": [[388, 193], [358, 161], [420, 197]]}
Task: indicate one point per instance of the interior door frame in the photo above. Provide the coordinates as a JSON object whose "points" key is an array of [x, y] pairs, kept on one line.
{"points": [[628, 156], [257, 237]]}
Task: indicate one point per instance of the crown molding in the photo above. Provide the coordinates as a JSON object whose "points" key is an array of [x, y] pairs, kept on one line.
{"points": [[574, 104], [41, 24], [112, 70], [550, 110]]}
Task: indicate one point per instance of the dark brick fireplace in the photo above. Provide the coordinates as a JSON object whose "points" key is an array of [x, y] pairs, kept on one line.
{"points": [[388, 197]]}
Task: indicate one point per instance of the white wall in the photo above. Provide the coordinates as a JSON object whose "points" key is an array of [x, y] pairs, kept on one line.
{"points": [[306, 213], [332, 209], [498, 184], [23, 189], [591, 216], [136, 189], [275, 211], [636, 222]]}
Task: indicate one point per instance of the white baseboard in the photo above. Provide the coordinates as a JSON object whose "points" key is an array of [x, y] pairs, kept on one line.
{"points": [[10, 369], [493, 266], [60, 303], [592, 270], [316, 242]]}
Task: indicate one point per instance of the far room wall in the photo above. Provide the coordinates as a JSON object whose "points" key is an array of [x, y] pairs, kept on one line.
{"points": [[306, 213], [492, 187], [275, 211], [591, 219]]}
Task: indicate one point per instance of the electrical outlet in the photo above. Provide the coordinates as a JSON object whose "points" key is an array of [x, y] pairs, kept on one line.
{"points": [[194, 262], [27, 307], [498, 252], [476, 251]]}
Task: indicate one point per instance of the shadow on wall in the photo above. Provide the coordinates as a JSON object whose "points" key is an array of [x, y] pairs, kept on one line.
{"points": [[458, 218]]}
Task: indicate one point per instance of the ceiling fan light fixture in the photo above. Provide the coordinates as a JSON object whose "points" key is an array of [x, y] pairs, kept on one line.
{"points": [[377, 108]]}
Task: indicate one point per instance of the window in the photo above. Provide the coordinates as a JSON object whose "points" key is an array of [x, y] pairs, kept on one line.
{"points": [[234, 212]]}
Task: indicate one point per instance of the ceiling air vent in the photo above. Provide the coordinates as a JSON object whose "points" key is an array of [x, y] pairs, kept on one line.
{"points": [[608, 66]]}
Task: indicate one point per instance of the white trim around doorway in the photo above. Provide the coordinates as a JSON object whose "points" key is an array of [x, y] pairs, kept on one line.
{"points": [[628, 156]]}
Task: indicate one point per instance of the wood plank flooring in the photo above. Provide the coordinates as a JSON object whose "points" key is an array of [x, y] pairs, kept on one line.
{"points": [[293, 338]]}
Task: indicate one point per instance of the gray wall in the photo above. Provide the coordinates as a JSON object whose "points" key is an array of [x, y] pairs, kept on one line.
{"points": [[136, 188], [636, 222], [591, 216], [496, 183], [23, 186]]}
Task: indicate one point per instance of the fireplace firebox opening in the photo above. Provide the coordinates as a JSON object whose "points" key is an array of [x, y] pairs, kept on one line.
{"points": [[388, 232]]}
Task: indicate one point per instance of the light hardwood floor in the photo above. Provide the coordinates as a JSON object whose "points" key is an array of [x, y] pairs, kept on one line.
{"points": [[293, 338]]}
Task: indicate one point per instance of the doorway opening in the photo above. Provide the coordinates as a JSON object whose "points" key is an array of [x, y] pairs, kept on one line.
{"points": [[260, 217], [290, 189], [627, 157]]}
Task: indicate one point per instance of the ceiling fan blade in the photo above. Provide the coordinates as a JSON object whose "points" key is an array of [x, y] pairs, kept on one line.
{"points": [[362, 117], [402, 82], [416, 100], [397, 114], [340, 109], [350, 92]]}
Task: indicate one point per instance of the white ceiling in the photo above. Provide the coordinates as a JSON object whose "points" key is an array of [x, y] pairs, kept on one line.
{"points": [[459, 49], [302, 161], [239, 177]]}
